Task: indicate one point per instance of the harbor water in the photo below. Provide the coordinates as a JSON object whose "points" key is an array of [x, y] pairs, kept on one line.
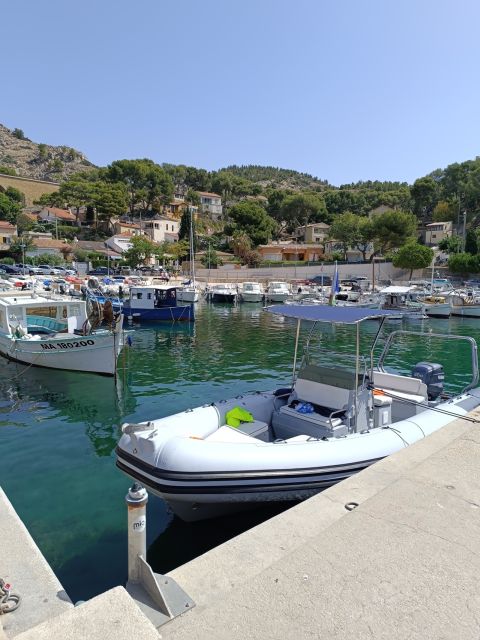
{"points": [[58, 430]]}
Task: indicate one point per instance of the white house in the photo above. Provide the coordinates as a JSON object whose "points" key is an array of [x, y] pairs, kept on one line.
{"points": [[211, 203], [48, 245], [435, 232], [162, 229], [315, 233], [120, 242]]}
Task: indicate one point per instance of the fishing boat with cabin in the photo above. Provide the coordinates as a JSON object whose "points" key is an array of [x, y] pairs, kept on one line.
{"points": [[156, 303], [338, 416], [59, 332]]}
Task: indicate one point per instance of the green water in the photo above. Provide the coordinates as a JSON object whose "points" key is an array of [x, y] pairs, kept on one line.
{"points": [[58, 430]]}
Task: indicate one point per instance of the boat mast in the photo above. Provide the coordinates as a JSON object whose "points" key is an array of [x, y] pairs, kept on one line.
{"points": [[192, 250]]}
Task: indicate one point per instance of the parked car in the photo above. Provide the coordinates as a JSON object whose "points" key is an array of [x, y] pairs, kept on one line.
{"points": [[11, 269], [48, 270], [64, 271], [99, 271], [321, 279]]}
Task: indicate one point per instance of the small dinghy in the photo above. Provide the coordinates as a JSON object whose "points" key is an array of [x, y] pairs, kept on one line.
{"points": [[336, 419]]}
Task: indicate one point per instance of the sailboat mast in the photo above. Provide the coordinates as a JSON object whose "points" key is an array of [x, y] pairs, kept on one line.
{"points": [[192, 251]]}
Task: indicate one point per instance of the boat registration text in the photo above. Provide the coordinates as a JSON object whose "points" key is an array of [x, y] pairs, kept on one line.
{"points": [[69, 345]]}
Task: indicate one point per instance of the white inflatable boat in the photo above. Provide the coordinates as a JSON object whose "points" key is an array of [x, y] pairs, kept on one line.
{"points": [[331, 423]]}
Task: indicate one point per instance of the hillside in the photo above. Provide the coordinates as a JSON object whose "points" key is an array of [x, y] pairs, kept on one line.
{"points": [[277, 177], [36, 160]]}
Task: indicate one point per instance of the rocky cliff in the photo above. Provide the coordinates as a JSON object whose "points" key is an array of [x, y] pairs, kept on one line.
{"points": [[37, 160]]}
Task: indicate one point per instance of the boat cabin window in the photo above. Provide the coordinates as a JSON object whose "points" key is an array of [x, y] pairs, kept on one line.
{"points": [[48, 312], [139, 295], [164, 297]]}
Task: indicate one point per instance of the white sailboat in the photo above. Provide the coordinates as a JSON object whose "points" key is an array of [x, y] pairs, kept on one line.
{"points": [[189, 292]]}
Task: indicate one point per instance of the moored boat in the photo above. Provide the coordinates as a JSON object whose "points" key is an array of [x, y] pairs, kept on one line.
{"points": [[437, 306], [156, 303], [466, 306], [277, 292], [58, 333], [252, 292], [331, 422], [223, 293]]}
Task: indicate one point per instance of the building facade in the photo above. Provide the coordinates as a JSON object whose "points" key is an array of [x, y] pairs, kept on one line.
{"points": [[162, 229], [7, 233], [313, 233], [435, 232], [211, 203]]}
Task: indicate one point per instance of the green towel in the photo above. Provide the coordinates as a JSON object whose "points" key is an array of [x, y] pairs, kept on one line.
{"points": [[237, 415]]}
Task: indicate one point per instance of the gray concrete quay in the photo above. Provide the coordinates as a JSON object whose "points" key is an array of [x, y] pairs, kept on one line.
{"points": [[24, 567], [404, 564]]}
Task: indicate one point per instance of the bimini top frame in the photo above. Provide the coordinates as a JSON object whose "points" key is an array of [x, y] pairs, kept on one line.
{"points": [[324, 313], [334, 315]]}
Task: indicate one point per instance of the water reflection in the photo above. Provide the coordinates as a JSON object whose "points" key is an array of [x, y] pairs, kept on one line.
{"points": [[58, 429]]}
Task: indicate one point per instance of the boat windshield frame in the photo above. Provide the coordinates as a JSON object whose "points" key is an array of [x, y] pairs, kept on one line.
{"points": [[442, 336]]}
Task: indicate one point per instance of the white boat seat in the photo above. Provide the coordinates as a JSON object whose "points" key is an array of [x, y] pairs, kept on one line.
{"points": [[325, 386], [402, 387], [381, 401]]}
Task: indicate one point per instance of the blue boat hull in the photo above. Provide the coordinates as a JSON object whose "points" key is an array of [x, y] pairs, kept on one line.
{"points": [[181, 313]]}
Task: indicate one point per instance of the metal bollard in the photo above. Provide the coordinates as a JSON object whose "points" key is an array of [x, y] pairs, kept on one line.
{"points": [[136, 499]]}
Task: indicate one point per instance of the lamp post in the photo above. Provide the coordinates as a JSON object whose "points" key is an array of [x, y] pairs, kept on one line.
{"points": [[23, 247]]}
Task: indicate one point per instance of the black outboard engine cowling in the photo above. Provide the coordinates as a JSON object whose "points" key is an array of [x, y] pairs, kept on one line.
{"points": [[431, 373]]}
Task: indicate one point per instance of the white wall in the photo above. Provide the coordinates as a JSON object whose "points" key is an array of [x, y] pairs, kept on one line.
{"points": [[383, 271]]}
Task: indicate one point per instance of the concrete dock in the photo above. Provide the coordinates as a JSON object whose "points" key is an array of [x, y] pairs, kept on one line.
{"points": [[405, 563]]}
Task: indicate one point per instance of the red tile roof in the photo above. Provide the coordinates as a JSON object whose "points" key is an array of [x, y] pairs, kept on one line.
{"points": [[7, 226], [207, 193], [47, 243], [61, 213]]}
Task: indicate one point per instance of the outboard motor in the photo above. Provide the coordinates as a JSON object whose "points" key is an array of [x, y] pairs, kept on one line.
{"points": [[431, 373]]}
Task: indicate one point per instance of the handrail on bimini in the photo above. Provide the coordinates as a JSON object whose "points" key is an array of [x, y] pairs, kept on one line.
{"points": [[469, 339]]}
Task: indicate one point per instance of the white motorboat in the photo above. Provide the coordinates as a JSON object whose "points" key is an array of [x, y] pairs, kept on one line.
{"points": [[464, 305], [277, 292], [223, 293], [188, 292], [252, 292], [288, 444], [58, 333]]}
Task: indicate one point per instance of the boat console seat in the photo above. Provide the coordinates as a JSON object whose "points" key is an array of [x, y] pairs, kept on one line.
{"points": [[412, 389], [408, 395], [330, 391], [325, 386]]}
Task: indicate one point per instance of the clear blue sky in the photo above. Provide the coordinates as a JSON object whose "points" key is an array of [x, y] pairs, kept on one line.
{"points": [[343, 89]]}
